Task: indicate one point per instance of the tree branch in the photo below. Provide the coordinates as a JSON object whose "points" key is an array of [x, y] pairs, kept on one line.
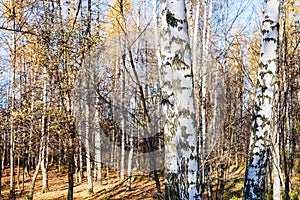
{"points": [[17, 30]]}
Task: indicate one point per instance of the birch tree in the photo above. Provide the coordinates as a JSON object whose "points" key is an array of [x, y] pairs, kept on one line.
{"points": [[131, 138], [283, 144], [181, 163], [88, 138], [98, 132], [264, 109], [44, 133], [12, 103], [204, 68]]}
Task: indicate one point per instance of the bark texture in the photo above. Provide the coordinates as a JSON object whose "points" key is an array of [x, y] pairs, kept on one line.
{"points": [[264, 108], [181, 162]]}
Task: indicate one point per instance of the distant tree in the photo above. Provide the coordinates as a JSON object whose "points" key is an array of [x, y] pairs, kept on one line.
{"points": [[284, 144]]}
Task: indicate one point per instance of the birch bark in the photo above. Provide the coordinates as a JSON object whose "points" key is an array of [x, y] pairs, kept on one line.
{"points": [[98, 153], [181, 163], [87, 139], [131, 138], [44, 134], [263, 114], [123, 113]]}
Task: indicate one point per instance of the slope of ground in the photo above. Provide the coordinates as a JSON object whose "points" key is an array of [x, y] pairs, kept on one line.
{"points": [[143, 187]]}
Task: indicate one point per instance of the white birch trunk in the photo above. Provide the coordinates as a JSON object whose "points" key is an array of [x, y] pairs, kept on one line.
{"points": [[87, 141], [195, 41], [215, 106], [80, 135], [264, 108], [181, 163], [44, 132], [133, 98], [171, 169], [80, 171], [122, 164], [132, 129], [205, 66], [31, 191], [31, 154], [156, 30], [78, 103], [203, 84], [276, 168], [98, 153]]}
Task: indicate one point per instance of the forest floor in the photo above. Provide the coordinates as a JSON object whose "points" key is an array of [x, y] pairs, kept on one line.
{"points": [[143, 187]]}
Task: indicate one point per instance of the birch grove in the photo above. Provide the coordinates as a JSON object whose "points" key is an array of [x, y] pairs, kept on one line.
{"points": [[132, 99]]}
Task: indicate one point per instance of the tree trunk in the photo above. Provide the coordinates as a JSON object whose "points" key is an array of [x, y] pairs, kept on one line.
{"points": [[12, 148], [123, 113], [80, 172], [70, 168], [131, 137], [276, 169], [79, 130], [30, 196], [44, 133], [18, 171], [12, 96], [31, 191], [181, 164], [263, 114], [195, 43], [87, 140], [98, 153], [203, 92]]}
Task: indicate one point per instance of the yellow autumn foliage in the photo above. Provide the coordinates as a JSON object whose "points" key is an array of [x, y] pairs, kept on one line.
{"points": [[16, 10], [253, 51], [289, 32], [117, 16]]}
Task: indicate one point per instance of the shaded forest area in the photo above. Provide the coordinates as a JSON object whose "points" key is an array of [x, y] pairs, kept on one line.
{"points": [[187, 100]]}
